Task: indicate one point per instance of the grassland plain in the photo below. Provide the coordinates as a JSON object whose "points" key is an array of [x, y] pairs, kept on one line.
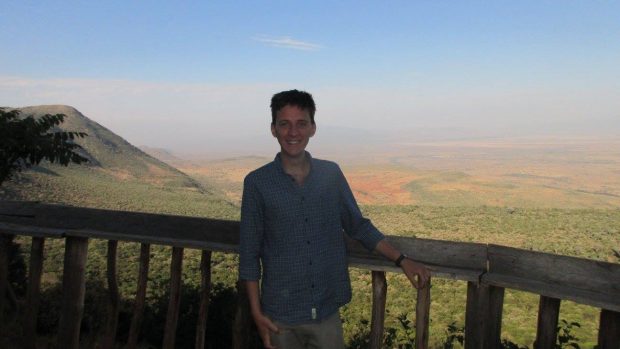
{"points": [[528, 196], [590, 233]]}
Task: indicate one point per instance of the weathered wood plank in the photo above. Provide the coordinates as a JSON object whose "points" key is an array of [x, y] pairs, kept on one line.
{"points": [[436, 270], [31, 312], [422, 316], [581, 280], [111, 325], [609, 330], [172, 317], [73, 289], [547, 329], [27, 230], [205, 291], [119, 225], [17, 208], [448, 254], [138, 307], [377, 322]]}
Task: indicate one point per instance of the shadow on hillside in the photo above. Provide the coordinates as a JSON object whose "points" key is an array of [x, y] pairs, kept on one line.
{"points": [[44, 170]]}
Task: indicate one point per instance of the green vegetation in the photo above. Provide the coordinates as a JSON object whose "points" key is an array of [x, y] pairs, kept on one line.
{"points": [[26, 141], [594, 230], [122, 177]]}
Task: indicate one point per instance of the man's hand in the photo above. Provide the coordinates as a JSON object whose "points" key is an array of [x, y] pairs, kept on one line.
{"points": [[265, 327], [263, 323], [416, 272]]}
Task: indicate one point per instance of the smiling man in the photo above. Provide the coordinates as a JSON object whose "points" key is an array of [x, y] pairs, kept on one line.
{"points": [[293, 214]]}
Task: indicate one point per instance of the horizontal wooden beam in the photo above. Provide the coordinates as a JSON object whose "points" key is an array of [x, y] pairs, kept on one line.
{"points": [[448, 254], [120, 225], [578, 279]]}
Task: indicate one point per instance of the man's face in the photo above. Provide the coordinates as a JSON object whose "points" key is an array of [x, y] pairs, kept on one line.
{"points": [[293, 129]]}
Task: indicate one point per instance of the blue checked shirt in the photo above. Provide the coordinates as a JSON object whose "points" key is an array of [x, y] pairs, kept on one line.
{"points": [[296, 234]]}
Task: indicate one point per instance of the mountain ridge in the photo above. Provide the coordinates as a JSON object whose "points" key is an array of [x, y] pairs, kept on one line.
{"points": [[119, 175]]}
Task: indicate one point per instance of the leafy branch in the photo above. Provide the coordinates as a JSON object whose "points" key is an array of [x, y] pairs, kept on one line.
{"points": [[27, 141]]}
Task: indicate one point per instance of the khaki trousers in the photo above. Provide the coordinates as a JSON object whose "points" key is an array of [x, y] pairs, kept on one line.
{"points": [[324, 335]]}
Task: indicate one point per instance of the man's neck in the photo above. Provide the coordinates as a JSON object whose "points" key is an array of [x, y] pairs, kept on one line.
{"points": [[298, 167]]}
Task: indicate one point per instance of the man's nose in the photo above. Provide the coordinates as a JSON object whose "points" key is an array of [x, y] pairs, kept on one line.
{"points": [[294, 130]]}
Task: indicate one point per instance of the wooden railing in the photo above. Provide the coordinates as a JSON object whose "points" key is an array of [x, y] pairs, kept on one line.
{"points": [[488, 270]]}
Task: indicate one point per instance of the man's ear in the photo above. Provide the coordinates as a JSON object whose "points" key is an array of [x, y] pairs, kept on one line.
{"points": [[313, 130], [273, 130]]}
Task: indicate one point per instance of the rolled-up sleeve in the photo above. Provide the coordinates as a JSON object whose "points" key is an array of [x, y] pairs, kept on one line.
{"points": [[251, 232], [353, 222]]}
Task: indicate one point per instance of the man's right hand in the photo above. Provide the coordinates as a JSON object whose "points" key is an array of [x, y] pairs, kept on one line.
{"points": [[265, 327]]}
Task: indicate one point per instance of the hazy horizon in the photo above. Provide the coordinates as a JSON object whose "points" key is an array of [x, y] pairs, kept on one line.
{"points": [[196, 75]]}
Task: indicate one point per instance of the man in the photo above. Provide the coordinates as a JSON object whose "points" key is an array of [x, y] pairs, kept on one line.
{"points": [[293, 214]]}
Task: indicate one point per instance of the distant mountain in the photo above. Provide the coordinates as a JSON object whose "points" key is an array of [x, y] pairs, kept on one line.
{"points": [[110, 152], [166, 156], [118, 176]]}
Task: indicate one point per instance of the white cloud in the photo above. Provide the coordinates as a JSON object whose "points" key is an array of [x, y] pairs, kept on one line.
{"points": [[288, 42]]}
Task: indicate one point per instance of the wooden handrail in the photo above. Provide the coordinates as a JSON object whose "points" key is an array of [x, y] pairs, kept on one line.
{"points": [[488, 269]]}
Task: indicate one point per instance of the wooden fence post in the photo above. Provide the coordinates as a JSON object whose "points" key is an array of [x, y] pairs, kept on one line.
{"points": [[31, 312], [496, 307], [109, 337], [5, 241], [73, 289], [138, 307], [476, 315], [609, 330], [422, 314], [483, 316], [547, 331], [205, 291], [172, 317], [379, 292]]}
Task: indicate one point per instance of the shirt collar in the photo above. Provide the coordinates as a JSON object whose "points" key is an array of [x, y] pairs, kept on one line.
{"points": [[278, 162]]}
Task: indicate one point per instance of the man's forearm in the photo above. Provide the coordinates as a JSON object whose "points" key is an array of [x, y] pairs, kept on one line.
{"points": [[254, 297], [387, 250]]}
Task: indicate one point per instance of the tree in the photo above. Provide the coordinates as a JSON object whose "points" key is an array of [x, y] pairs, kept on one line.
{"points": [[27, 141]]}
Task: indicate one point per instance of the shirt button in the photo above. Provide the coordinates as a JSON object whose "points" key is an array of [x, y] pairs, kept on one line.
{"points": [[312, 286], [306, 220], [308, 242]]}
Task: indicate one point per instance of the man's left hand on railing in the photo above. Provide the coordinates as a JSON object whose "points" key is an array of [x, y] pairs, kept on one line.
{"points": [[416, 272]]}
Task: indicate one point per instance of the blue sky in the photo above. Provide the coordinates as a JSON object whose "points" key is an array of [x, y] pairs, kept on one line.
{"points": [[210, 67]]}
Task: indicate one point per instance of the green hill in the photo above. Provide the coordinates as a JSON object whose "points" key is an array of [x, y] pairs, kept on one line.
{"points": [[118, 176]]}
